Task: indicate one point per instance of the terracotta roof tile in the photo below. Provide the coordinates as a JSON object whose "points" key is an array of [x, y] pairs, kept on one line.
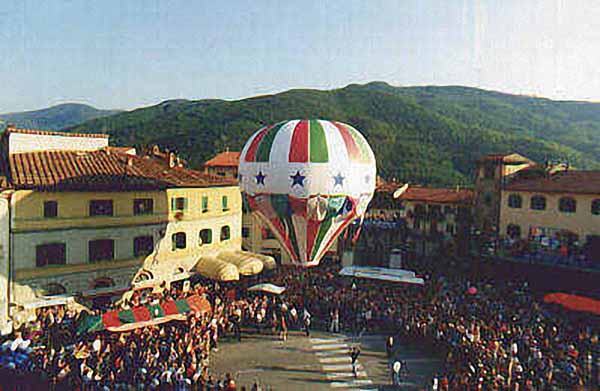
{"points": [[99, 169], [568, 181], [224, 159], [442, 196], [53, 133]]}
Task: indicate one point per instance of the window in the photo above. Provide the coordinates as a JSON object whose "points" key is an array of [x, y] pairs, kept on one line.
{"points": [[101, 208], [596, 207], [487, 199], [143, 206], [448, 209], [204, 204], [50, 209], [178, 241], [567, 205], [513, 231], [515, 201], [101, 250], [143, 245], [489, 172], [225, 233], [245, 232], [450, 229], [205, 236], [54, 289], [50, 254], [178, 203], [224, 203], [538, 202]]}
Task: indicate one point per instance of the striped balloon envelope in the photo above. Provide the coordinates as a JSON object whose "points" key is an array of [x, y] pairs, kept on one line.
{"points": [[307, 180]]}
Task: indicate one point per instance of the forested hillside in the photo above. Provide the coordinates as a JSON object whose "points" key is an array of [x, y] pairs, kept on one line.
{"points": [[428, 135]]}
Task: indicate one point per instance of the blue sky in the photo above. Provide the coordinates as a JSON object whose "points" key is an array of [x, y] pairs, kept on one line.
{"points": [[126, 54]]}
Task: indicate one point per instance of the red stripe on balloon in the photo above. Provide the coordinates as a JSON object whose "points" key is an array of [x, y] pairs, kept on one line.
{"points": [[312, 229], [351, 147], [251, 153], [299, 145], [141, 314], [298, 206]]}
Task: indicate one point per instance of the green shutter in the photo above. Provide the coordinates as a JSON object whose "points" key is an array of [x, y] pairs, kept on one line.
{"points": [[204, 204], [224, 200], [185, 203], [172, 203]]}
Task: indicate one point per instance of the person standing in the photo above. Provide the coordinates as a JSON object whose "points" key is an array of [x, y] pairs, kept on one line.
{"points": [[389, 346], [307, 321], [396, 368], [354, 353], [335, 321]]}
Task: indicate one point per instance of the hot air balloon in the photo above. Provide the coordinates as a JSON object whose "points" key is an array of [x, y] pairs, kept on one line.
{"points": [[307, 180]]}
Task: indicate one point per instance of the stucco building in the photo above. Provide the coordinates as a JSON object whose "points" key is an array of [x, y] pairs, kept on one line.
{"points": [[78, 217], [557, 207]]}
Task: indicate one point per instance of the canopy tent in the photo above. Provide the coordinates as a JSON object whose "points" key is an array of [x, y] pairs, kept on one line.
{"points": [[246, 263], [217, 269], [142, 316], [383, 274], [268, 288], [574, 302], [49, 301]]}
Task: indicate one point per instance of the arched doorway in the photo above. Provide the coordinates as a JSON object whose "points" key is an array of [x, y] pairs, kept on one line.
{"points": [[53, 289], [102, 299]]}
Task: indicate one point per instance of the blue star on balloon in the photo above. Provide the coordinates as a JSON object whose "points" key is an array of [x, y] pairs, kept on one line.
{"points": [[260, 178], [339, 179], [298, 179]]}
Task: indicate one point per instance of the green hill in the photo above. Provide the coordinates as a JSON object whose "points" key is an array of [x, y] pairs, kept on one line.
{"points": [[55, 117], [428, 135]]}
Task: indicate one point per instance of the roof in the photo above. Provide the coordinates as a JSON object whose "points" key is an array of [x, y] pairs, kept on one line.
{"points": [[513, 158], [441, 196], [566, 181], [37, 132], [224, 159], [388, 187], [102, 169]]}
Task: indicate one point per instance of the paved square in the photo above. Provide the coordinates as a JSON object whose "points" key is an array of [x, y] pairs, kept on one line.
{"points": [[321, 362]]}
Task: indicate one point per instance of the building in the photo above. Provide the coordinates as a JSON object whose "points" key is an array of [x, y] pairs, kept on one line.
{"points": [[553, 212], [224, 164], [437, 219], [491, 173], [78, 217]]}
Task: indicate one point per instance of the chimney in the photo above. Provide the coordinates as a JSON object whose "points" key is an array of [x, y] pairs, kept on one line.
{"points": [[172, 159]]}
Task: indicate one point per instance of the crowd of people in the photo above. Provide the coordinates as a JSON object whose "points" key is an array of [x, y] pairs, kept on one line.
{"points": [[495, 335]]}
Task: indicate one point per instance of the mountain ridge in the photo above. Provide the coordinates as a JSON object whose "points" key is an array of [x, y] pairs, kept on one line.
{"points": [[427, 135], [55, 117]]}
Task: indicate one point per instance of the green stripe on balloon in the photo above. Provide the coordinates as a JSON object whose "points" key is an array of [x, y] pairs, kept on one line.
{"points": [[182, 306], [325, 225], [126, 316], [264, 148], [281, 206], [318, 143]]}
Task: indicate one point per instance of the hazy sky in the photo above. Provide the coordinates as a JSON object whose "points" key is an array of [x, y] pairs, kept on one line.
{"points": [[129, 53]]}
